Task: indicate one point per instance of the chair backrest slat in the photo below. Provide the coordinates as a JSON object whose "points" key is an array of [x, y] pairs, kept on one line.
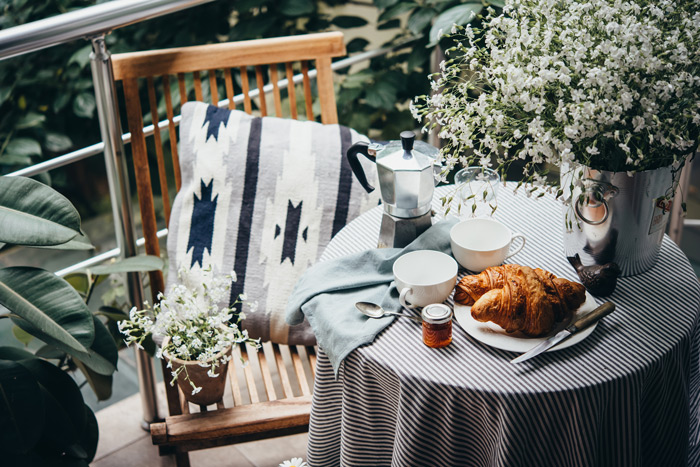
{"points": [[162, 178], [245, 85], [260, 82], [171, 131], [198, 95], [182, 87], [307, 90], [291, 91], [143, 179], [228, 81], [213, 87], [274, 77]]}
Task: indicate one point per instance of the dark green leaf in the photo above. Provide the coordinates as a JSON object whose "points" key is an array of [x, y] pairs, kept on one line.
{"points": [[21, 408], [141, 263], [101, 385], [84, 105], [90, 435], [420, 19], [381, 95], [56, 142], [23, 147], [295, 8], [497, 3], [79, 281], [79, 242], [5, 93], [48, 306], [114, 314], [21, 335], [49, 352], [12, 159], [460, 15], [31, 119], [358, 44], [396, 10], [391, 24], [385, 3], [63, 404], [102, 356], [347, 22], [81, 56], [31, 213]]}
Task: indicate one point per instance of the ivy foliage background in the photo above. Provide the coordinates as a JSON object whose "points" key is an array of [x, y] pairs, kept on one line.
{"points": [[47, 103]]}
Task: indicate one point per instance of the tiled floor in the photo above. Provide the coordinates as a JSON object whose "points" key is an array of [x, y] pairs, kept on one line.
{"points": [[124, 443]]}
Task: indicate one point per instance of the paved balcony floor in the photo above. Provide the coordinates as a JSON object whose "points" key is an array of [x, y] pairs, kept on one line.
{"points": [[124, 443]]}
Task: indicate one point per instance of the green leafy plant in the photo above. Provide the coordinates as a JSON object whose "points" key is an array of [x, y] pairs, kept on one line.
{"points": [[43, 418]]}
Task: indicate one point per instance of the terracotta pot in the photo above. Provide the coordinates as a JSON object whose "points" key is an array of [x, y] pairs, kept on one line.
{"points": [[212, 388]]}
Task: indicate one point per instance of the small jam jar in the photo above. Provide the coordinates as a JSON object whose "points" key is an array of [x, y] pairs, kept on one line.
{"points": [[437, 325]]}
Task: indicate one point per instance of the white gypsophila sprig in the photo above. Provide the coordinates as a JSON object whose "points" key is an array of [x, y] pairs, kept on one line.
{"points": [[198, 328], [612, 84]]}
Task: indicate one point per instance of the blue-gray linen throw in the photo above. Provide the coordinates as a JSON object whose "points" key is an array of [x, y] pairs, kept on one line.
{"points": [[327, 292]]}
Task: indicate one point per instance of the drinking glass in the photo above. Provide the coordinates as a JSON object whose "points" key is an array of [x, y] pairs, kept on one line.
{"points": [[477, 187]]}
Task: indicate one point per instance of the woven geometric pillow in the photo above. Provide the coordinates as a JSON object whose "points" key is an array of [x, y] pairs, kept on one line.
{"points": [[261, 197]]}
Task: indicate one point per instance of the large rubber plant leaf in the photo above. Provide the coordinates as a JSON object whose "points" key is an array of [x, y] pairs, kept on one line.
{"points": [[79, 242], [101, 385], [32, 213], [140, 263], [64, 415], [102, 356], [48, 308], [21, 408]]}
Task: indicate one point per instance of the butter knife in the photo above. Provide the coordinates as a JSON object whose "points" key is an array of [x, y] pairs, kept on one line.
{"points": [[582, 323]]}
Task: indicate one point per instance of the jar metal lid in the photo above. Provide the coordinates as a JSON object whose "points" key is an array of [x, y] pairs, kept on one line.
{"points": [[436, 313]]}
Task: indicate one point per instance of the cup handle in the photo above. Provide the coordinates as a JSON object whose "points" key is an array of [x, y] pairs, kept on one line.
{"points": [[402, 298], [517, 235]]}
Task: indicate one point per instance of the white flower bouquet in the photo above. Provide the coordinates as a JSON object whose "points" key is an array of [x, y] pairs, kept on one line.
{"points": [[190, 322], [610, 84]]}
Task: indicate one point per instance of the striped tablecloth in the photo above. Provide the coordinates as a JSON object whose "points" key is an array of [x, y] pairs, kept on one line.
{"points": [[629, 394]]}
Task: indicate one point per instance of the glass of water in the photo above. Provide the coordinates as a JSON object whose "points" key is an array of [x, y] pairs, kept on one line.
{"points": [[477, 187]]}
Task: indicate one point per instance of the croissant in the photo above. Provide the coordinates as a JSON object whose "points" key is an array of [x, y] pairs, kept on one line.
{"points": [[519, 298]]}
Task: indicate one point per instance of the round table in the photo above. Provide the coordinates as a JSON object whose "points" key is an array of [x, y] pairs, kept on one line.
{"points": [[626, 395]]}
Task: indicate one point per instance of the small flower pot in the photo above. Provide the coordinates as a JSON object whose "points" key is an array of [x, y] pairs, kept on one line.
{"points": [[212, 387]]}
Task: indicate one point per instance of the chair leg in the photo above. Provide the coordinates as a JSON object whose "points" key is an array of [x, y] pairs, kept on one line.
{"points": [[182, 459]]}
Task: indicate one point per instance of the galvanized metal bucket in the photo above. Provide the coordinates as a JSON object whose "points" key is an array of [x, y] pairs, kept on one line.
{"points": [[616, 217]]}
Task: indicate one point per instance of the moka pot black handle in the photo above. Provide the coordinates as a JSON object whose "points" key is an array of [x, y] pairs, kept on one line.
{"points": [[360, 148]]}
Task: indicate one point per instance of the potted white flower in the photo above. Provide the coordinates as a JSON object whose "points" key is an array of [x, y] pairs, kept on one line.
{"points": [[607, 90], [196, 333]]}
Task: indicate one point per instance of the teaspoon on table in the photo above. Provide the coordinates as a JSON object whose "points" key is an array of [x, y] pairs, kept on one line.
{"points": [[375, 311]]}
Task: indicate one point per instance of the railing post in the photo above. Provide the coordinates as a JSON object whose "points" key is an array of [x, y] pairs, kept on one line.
{"points": [[110, 128]]}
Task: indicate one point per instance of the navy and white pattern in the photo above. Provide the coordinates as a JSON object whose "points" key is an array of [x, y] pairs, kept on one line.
{"points": [[261, 197], [628, 395]]}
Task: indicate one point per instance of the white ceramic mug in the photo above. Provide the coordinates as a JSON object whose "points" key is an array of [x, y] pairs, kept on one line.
{"points": [[423, 277], [481, 243]]}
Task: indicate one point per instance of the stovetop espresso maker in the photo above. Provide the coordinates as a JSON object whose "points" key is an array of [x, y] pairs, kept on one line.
{"points": [[406, 171]]}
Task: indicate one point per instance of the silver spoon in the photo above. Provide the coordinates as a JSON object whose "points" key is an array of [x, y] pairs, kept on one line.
{"points": [[375, 311]]}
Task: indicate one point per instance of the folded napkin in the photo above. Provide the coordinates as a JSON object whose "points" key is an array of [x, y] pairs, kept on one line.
{"points": [[327, 292]]}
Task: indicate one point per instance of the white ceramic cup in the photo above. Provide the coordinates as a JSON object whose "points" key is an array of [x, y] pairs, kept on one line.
{"points": [[423, 277], [481, 243]]}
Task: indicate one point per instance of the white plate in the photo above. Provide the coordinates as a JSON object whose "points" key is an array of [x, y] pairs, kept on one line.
{"points": [[495, 336]]}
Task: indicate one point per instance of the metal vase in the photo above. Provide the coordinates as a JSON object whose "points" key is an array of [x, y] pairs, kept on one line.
{"points": [[616, 217]]}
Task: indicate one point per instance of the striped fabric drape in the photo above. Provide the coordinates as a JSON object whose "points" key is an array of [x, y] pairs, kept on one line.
{"points": [[629, 394]]}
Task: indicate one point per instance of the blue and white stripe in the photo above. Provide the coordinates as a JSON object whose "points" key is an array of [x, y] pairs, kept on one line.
{"points": [[629, 394]]}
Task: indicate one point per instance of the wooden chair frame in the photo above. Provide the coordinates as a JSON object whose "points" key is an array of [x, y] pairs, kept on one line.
{"points": [[239, 418]]}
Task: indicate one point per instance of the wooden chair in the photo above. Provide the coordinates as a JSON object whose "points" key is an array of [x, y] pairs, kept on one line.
{"points": [[246, 413]]}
